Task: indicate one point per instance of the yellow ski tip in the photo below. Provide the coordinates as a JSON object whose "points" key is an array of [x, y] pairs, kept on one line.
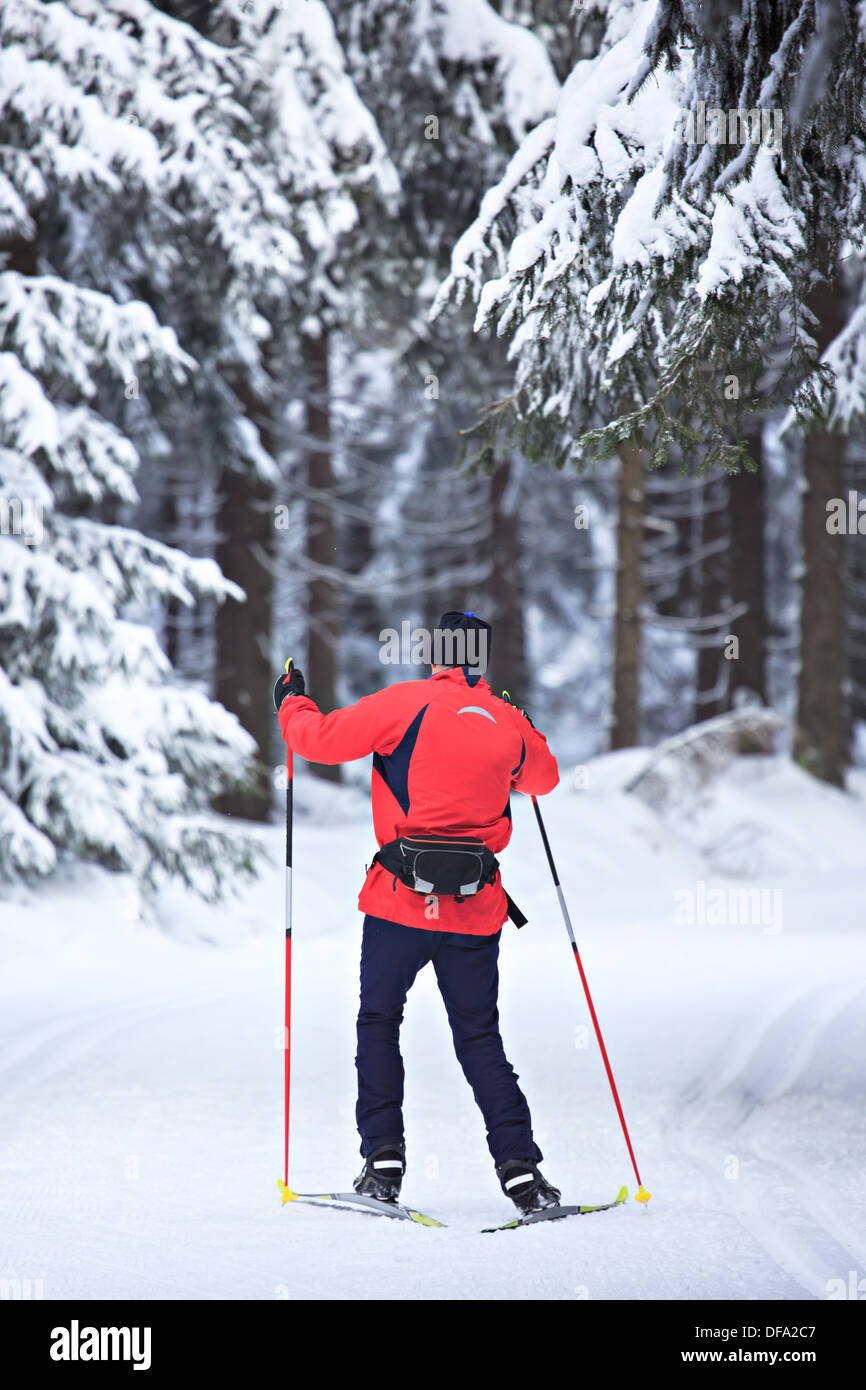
{"points": [[288, 1194], [289, 662], [423, 1220], [642, 1195]]}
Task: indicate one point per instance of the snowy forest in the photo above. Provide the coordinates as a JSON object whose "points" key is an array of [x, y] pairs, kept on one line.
{"points": [[318, 319], [321, 317]]}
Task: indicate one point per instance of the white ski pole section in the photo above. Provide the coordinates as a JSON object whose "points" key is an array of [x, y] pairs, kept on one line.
{"points": [[561, 896]]}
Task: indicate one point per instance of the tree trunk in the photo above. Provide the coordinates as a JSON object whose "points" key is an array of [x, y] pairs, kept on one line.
{"points": [[821, 742], [321, 538], [856, 597], [625, 728], [243, 630], [747, 512], [712, 584], [168, 534], [508, 653]]}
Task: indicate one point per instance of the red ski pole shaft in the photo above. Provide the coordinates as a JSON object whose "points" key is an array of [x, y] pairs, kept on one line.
{"points": [[287, 1037], [642, 1196]]}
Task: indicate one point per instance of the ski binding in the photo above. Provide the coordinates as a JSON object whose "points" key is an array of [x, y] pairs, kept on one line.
{"points": [[556, 1214]]}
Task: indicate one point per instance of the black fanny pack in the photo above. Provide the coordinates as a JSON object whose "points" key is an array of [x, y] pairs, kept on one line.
{"points": [[455, 866]]}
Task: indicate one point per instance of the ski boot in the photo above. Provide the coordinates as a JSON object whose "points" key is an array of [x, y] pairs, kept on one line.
{"points": [[382, 1173], [524, 1184]]}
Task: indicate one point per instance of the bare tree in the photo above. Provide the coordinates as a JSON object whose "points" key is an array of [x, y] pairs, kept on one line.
{"points": [[243, 630], [711, 579], [822, 737], [746, 516], [856, 480], [505, 586], [629, 593], [321, 536]]}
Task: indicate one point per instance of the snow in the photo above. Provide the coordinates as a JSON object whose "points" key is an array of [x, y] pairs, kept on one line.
{"points": [[473, 33], [640, 234], [847, 357], [587, 95], [141, 1091], [651, 210], [471, 245], [755, 215]]}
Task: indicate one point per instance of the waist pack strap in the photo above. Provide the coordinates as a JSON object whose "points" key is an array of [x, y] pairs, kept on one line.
{"points": [[514, 912]]}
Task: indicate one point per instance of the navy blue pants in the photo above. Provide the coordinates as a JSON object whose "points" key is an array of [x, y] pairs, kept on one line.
{"points": [[468, 977]]}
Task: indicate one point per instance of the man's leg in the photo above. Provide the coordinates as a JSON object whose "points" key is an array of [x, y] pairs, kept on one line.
{"points": [[468, 974], [391, 956]]}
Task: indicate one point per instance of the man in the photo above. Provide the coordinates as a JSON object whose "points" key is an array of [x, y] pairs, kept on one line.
{"points": [[446, 755]]}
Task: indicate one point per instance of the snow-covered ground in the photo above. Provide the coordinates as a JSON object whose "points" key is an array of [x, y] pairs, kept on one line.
{"points": [[141, 1081]]}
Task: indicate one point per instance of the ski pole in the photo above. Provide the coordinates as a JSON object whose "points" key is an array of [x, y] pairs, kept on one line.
{"points": [[642, 1195], [287, 1192]]}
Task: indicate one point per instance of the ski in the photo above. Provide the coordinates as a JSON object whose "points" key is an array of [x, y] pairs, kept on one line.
{"points": [[354, 1201], [556, 1214]]}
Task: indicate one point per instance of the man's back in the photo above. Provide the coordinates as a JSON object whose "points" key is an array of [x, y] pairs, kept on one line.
{"points": [[447, 753]]}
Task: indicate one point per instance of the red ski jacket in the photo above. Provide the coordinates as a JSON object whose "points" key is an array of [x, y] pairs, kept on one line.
{"points": [[446, 754]]}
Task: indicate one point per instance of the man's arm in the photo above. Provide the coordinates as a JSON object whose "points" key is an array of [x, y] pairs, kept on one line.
{"points": [[537, 772], [370, 726]]}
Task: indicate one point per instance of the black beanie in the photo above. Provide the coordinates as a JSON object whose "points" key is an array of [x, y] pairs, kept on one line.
{"points": [[468, 622]]}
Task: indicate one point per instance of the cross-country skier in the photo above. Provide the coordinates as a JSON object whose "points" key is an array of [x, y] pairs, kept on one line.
{"points": [[446, 755]]}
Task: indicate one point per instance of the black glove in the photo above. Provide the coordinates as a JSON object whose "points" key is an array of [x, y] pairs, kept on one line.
{"points": [[291, 684], [507, 697]]}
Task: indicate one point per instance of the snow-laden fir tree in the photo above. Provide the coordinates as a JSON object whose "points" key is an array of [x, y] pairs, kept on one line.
{"points": [[144, 168], [659, 238], [681, 246], [454, 86], [104, 757], [269, 358]]}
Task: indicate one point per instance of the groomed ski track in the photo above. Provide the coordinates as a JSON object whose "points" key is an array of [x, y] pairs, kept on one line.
{"points": [[140, 1077]]}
